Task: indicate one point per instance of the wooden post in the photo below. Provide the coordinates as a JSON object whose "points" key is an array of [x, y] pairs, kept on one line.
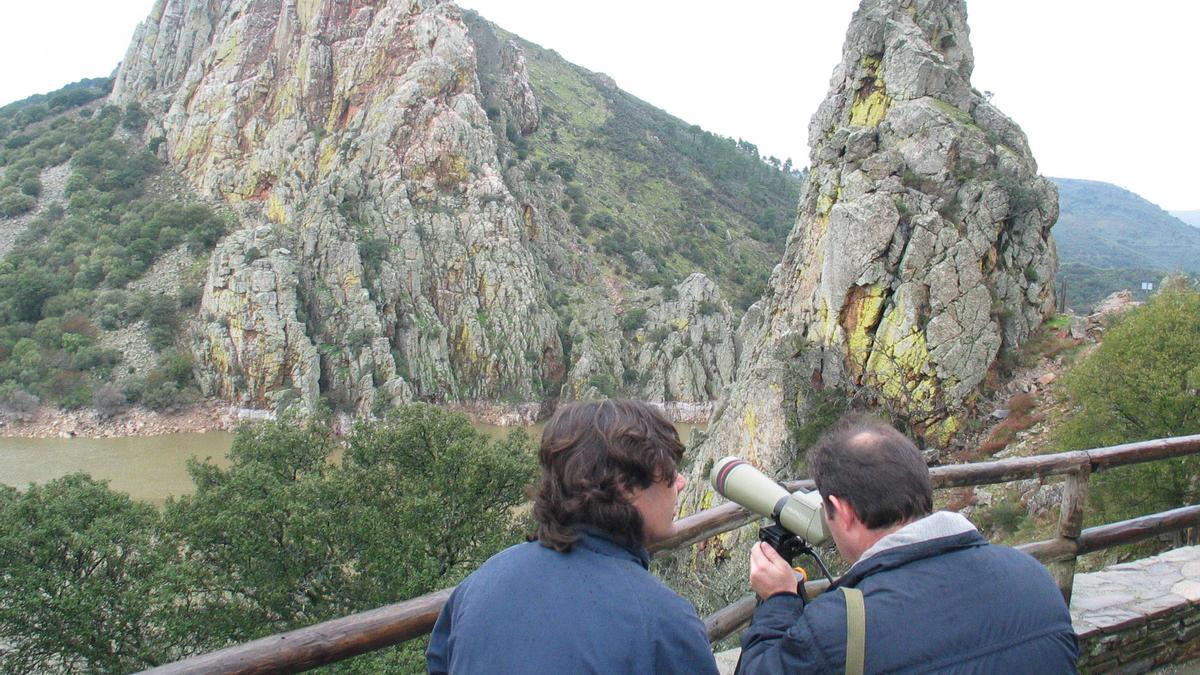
{"points": [[1070, 524]]}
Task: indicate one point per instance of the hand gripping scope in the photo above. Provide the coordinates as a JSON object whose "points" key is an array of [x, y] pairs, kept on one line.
{"points": [[799, 524]]}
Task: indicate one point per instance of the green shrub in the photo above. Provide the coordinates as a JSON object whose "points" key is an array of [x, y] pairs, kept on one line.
{"points": [[14, 203], [135, 117], [564, 168], [108, 400], [176, 366], [633, 319], [604, 383], [162, 396], [1141, 383]]}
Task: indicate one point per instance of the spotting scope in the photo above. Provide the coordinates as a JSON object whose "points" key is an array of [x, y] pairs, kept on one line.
{"points": [[799, 524]]}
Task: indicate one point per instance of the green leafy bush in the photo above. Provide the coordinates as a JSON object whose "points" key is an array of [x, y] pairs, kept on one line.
{"points": [[1141, 383], [13, 202]]}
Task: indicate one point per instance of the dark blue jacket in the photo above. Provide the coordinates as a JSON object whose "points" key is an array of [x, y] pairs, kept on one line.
{"points": [[950, 604], [594, 609]]}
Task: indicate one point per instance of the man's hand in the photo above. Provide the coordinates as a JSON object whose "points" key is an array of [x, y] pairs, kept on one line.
{"points": [[769, 573]]}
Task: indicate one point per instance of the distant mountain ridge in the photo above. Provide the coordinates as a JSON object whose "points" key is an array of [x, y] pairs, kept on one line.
{"points": [[1190, 217], [1106, 226]]}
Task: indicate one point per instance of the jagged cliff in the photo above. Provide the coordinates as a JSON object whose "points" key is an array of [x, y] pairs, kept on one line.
{"points": [[409, 223], [921, 252]]}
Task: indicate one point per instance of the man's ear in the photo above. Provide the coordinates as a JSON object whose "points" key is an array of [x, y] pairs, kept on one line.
{"points": [[842, 510]]}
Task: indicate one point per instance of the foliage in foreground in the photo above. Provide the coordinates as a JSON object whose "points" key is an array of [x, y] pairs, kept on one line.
{"points": [[1141, 383], [283, 538]]}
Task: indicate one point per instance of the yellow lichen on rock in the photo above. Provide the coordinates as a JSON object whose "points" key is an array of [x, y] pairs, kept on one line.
{"points": [[825, 204], [860, 315], [750, 424], [680, 323], [871, 101], [326, 158], [868, 111], [306, 11], [897, 365], [227, 48], [943, 432], [466, 345], [275, 210], [826, 324]]}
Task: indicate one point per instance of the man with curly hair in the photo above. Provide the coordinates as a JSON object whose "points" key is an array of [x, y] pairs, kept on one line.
{"points": [[580, 599]]}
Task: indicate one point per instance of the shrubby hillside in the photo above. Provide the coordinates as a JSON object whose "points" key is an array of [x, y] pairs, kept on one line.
{"points": [[1110, 239], [656, 197], [81, 224]]}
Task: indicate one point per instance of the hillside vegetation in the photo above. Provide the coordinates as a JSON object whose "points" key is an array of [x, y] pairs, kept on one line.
{"points": [[647, 198], [656, 197], [65, 280], [1110, 239], [1141, 383]]}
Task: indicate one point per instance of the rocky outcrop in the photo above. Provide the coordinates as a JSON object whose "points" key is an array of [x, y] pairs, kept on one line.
{"points": [[664, 346], [685, 350], [251, 346], [921, 252], [428, 207], [351, 139]]}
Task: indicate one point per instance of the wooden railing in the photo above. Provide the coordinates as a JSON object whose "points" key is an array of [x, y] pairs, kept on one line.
{"points": [[356, 634]]}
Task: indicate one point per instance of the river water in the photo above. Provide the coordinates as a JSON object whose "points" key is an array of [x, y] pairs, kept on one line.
{"points": [[148, 468]]}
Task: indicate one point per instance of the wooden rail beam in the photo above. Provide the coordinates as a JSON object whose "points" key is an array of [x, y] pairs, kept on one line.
{"points": [[1114, 534], [323, 643], [1138, 529], [732, 618]]}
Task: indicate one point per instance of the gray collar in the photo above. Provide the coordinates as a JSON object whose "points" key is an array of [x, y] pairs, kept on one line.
{"points": [[934, 526]]}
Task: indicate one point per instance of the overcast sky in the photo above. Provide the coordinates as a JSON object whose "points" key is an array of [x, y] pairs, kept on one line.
{"points": [[1103, 88]]}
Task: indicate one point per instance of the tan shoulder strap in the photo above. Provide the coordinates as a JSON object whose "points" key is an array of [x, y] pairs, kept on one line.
{"points": [[856, 631]]}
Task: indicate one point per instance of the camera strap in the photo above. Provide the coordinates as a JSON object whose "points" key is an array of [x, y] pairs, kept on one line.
{"points": [[856, 631]]}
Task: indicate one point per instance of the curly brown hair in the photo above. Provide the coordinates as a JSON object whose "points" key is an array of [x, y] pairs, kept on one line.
{"points": [[592, 454]]}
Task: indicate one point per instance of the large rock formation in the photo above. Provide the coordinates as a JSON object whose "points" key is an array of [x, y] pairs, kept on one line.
{"points": [[353, 133], [922, 249], [413, 222]]}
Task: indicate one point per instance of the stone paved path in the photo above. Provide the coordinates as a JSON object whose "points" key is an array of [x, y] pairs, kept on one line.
{"points": [[1138, 615], [1106, 600]]}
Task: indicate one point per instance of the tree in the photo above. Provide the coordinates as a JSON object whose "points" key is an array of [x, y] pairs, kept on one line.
{"points": [[287, 537], [1141, 383], [81, 569], [284, 537]]}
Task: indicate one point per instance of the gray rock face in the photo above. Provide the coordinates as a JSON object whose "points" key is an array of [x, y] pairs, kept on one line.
{"points": [[415, 223], [685, 350], [351, 135], [665, 346], [254, 348], [922, 248]]}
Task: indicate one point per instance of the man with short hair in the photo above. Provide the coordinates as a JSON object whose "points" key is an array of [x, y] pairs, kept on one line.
{"points": [[581, 599], [937, 595]]}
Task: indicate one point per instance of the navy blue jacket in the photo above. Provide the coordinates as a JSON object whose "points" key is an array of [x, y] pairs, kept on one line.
{"points": [[594, 609], [949, 604]]}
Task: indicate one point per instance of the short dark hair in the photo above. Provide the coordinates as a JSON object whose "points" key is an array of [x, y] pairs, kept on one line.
{"points": [[873, 467], [592, 453]]}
